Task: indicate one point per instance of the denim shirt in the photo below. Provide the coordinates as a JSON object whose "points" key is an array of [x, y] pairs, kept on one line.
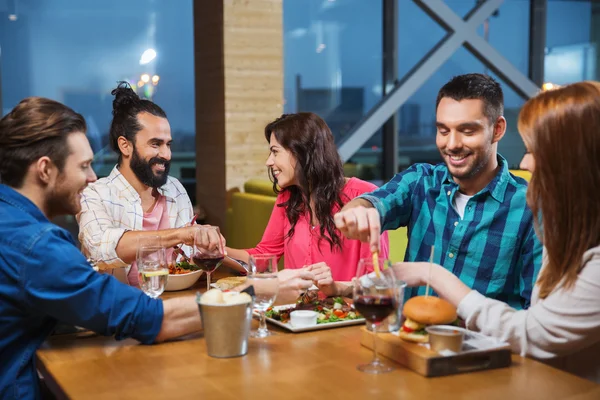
{"points": [[44, 278]]}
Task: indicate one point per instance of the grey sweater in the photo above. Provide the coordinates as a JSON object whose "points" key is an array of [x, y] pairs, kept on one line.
{"points": [[563, 330]]}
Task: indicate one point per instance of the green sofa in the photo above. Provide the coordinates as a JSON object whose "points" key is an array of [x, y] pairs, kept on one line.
{"points": [[249, 213]]}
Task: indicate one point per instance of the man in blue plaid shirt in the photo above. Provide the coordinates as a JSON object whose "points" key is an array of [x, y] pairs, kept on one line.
{"points": [[470, 208]]}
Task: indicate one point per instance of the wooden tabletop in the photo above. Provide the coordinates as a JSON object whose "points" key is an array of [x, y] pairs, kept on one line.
{"points": [[311, 365]]}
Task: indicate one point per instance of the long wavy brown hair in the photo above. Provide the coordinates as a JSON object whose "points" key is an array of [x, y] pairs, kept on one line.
{"points": [[561, 128], [319, 171]]}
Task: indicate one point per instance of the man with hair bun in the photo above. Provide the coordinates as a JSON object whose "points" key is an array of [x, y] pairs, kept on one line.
{"points": [[138, 198]]}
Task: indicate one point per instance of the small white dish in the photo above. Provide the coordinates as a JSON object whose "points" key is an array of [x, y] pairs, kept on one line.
{"points": [[303, 318]]}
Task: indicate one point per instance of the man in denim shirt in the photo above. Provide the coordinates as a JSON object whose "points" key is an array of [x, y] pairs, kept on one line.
{"points": [[45, 162], [470, 208]]}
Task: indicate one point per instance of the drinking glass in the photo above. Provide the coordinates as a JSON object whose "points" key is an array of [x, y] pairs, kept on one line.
{"points": [[375, 299], [133, 276], [208, 257], [263, 276], [152, 269]]}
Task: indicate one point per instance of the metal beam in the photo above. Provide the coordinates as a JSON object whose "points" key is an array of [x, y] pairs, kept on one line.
{"points": [[418, 75], [476, 44], [537, 40], [390, 78]]}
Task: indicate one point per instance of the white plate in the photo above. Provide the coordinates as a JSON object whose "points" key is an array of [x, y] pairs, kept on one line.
{"points": [[316, 327]]}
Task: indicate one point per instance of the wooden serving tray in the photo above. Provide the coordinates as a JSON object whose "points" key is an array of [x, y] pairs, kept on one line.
{"points": [[429, 363]]}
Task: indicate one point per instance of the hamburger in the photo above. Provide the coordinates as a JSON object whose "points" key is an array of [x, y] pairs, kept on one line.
{"points": [[421, 311]]}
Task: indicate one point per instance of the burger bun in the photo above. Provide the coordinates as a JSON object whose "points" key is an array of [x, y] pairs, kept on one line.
{"points": [[429, 310]]}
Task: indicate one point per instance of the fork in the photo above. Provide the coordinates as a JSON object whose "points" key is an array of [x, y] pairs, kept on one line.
{"points": [[178, 250]]}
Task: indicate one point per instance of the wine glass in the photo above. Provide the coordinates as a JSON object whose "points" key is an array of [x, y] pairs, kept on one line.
{"points": [[263, 276], [152, 270], [209, 250], [375, 299]]}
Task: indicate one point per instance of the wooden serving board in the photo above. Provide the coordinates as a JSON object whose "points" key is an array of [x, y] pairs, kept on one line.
{"points": [[429, 363]]}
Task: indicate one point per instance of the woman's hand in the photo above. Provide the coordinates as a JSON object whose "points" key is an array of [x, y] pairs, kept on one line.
{"points": [[444, 282], [323, 278], [413, 273], [292, 283]]}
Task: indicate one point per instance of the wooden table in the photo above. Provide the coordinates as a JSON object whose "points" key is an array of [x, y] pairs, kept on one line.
{"points": [[312, 365]]}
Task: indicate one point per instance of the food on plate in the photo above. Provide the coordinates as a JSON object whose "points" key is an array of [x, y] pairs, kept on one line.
{"points": [[421, 311], [230, 282], [329, 309], [182, 267], [217, 297]]}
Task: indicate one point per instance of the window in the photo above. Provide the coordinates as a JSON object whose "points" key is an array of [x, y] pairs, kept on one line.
{"points": [[333, 66], [572, 51], [75, 52]]}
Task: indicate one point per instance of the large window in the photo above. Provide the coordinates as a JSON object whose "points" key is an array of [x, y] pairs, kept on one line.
{"points": [[333, 66], [334, 61], [507, 31], [75, 52], [572, 40]]}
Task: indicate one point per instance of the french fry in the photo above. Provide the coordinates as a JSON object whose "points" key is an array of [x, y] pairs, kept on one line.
{"points": [[376, 263]]}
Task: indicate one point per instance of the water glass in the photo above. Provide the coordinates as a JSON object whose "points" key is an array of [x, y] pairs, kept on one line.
{"points": [[263, 276], [152, 269]]}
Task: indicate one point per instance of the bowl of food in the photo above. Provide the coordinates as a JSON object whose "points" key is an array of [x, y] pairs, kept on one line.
{"points": [[182, 276]]}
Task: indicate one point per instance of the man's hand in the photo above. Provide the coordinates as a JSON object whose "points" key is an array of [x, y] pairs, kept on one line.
{"points": [[360, 223], [323, 278], [208, 239]]}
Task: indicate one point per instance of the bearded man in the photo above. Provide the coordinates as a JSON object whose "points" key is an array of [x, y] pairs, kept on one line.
{"points": [[138, 198]]}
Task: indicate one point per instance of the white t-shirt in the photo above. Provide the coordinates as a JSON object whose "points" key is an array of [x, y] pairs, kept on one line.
{"points": [[460, 202]]}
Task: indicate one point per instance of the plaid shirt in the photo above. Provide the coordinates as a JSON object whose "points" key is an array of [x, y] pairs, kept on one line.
{"points": [[493, 249], [111, 206]]}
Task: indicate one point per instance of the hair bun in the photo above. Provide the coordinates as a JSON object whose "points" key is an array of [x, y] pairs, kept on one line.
{"points": [[125, 97]]}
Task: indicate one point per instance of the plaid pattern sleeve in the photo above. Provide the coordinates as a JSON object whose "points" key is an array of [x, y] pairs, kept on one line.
{"points": [[394, 200], [111, 206], [101, 228], [492, 249]]}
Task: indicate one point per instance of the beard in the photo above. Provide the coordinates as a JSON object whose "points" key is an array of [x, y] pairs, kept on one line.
{"points": [[477, 163], [63, 200], [143, 170]]}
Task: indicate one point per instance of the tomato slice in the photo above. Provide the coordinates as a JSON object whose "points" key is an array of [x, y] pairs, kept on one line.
{"points": [[339, 313], [407, 329]]}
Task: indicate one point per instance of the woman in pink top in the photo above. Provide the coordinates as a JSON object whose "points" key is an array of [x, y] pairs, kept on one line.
{"points": [[308, 175]]}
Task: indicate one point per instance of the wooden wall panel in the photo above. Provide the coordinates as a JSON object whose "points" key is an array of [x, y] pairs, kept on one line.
{"points": [[239, 89]]}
